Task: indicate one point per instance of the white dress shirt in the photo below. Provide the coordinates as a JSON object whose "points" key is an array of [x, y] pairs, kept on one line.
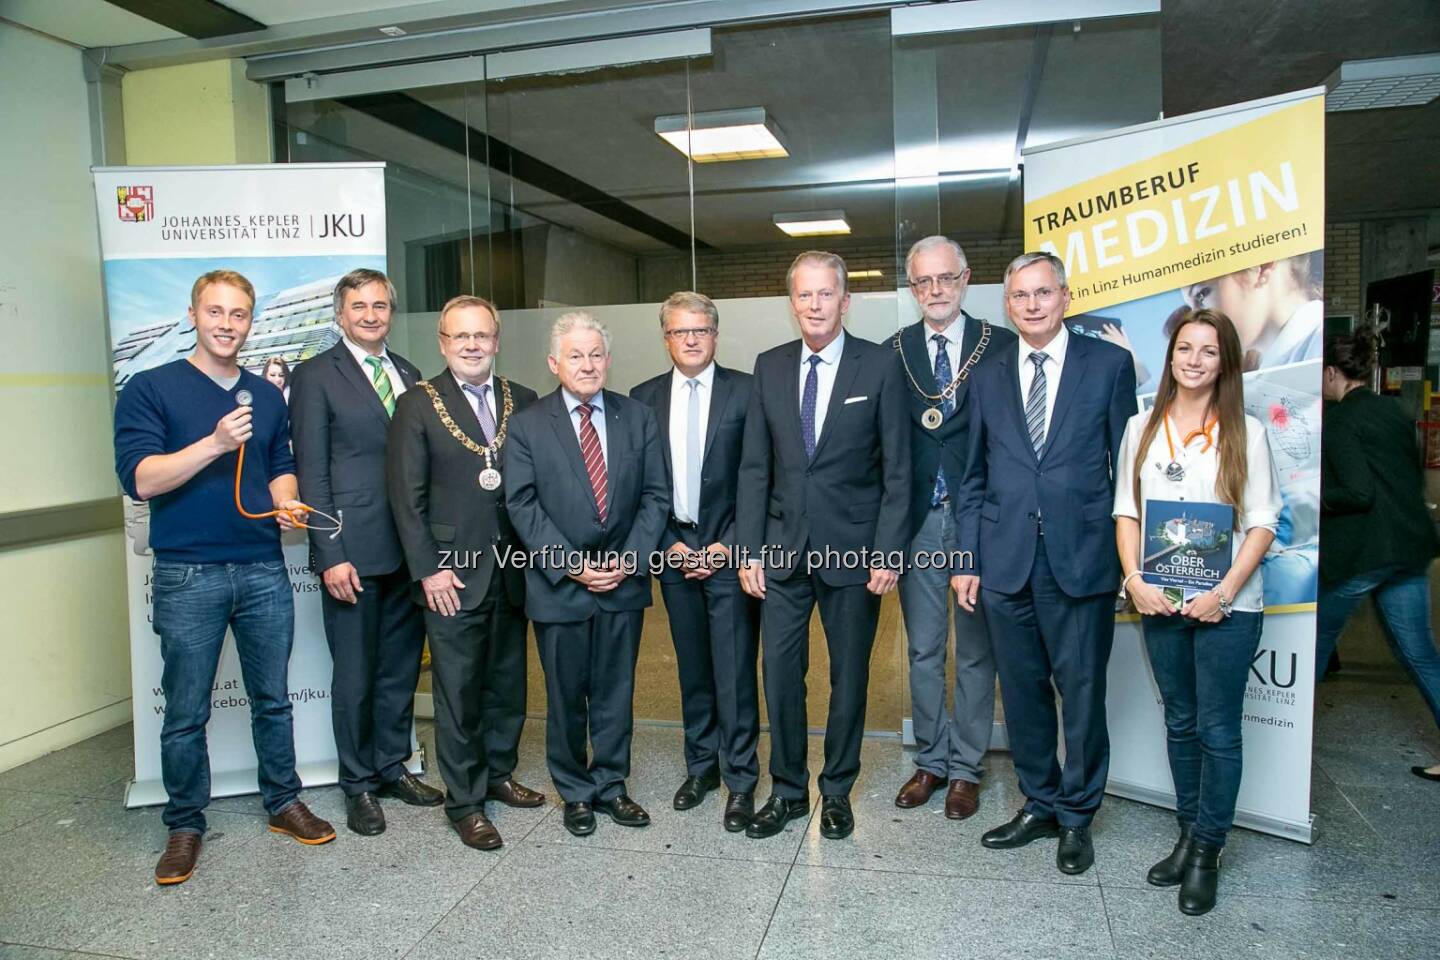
{"points": [[680, 453], [597, 418], [397, 382], [1202, 473], [470, 390], [824, 376], [1055, 362], [954, 342]]}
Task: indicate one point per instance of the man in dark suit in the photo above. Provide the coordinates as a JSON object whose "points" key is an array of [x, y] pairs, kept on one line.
{"points": [[446, 476], [1034, 511], [825, 482], [715, 626], [587, 494], [341, 403], [939, 355]]}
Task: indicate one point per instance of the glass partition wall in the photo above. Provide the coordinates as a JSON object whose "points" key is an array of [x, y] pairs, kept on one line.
{"points": [[609, 187]]}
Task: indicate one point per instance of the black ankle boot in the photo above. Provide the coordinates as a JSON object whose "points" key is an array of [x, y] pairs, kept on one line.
{"points": [[1168, 872], [1201, 879]]}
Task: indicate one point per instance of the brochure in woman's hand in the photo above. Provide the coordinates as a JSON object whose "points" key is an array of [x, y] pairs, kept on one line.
{"points": [[1188, 547]]}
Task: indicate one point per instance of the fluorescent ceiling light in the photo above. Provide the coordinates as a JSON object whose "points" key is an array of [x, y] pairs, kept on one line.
{"points": [[745, 134], [865, 274], [813, 223], [1389, 82]]}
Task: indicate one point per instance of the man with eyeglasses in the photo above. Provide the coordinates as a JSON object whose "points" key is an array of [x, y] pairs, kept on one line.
{"points": [[714, 625], [447, 472], [825, 485], [341, 403], [1035, 511], [587, 492], [939, 355]]}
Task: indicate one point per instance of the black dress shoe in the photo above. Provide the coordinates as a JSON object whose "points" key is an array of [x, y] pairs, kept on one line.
{"points": [[1076, 853], [624, 811], [579, 819], [837, 821], [410, 789], [771, 818], [1025, 828], [739, 808], [363, 815], [1168, 872], [1201, 881], [1425, 774], [693, 790]]}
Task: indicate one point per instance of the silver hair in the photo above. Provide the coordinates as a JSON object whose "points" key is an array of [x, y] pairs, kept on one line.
{"points": [[1026, 259], [356, 279], [690, 302], [820, 258], [568, 323], [930, 243]]}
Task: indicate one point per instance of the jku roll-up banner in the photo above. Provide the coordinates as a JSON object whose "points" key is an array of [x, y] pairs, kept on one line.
{"points": [[293, 230], [1222, 209]]}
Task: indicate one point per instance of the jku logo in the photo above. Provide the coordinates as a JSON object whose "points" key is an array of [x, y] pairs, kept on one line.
{"points": [[1271, 668], [339, 225], [135, 204]]}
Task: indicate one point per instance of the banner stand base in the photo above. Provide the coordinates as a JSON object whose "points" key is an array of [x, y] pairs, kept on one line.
{"points": [[238, 783], [1288, 829]]}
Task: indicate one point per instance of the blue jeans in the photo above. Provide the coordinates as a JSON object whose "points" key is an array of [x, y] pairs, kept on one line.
{"points": [[194, 603], [1402, 597], [1201, 669]]}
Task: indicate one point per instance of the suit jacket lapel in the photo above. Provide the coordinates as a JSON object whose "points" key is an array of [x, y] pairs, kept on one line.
{"points": [[1070, 374], [719, 396], [616, 439], [662, 416], [914, 343], [352, 373], [967, 347], [1011, 373], [792, 390], [844, 376], [408, 374]]}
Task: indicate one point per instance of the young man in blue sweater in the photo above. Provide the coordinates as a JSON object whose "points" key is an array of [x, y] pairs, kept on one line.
{"points": [[178, 428]]}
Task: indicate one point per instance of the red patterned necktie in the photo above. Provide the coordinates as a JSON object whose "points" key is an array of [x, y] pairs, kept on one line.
{"points": [[594, 458]]}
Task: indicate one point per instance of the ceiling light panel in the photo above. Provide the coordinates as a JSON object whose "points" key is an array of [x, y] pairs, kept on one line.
{"points": [[723, 135], [1389, 82], [813, 223]]}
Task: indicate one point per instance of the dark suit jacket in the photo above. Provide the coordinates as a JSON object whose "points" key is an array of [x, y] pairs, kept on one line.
{"points": [[855, 493], [338, 429], [947, 444], [1372, 490], [1071, 484], [720, 465], [444, 516], [552, 503]]}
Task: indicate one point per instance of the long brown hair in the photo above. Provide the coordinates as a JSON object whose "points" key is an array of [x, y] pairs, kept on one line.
{"points": [[1227, 401]]}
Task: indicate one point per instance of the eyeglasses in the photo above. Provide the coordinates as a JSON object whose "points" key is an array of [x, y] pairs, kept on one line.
{"points": [[465, 339], [1042, 295], [699, 333], [945, 281]]}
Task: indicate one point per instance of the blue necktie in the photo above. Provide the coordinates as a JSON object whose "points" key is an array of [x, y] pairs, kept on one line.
{"points": [[1035, 403], [807, 407], [947, 407], [693, 453]]}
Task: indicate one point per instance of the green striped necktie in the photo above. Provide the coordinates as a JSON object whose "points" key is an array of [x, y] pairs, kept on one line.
{"points": [[381, 380]]}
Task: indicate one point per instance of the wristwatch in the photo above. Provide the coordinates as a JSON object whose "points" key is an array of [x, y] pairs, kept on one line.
{"points": [[1225, 608]]}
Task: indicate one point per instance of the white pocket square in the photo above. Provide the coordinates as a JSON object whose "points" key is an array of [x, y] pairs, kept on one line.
{"points": [[856, 399]]}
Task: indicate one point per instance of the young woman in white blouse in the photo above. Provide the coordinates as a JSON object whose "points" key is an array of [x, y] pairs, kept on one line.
{"points": [[1196, 444]]}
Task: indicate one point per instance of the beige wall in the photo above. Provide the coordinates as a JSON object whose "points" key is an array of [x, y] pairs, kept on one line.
{"points": [[195, 113], [66, 659]]}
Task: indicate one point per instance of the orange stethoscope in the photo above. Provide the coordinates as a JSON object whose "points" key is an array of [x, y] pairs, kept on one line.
{"points": [[1175, 471], [244, 399]]}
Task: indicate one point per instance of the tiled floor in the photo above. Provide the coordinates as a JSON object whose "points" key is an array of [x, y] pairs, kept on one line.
{"points": [[75, 869]]}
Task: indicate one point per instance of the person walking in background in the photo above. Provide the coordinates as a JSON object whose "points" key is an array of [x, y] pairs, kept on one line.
{"points": [[1379, 538], [1197, 445]]}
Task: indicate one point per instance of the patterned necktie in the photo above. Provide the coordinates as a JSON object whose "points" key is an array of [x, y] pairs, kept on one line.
{"points": [[482, 410], [947, 407], [807, 407], [693, 452], [594, 458], [1035, 403], [381, 381]]}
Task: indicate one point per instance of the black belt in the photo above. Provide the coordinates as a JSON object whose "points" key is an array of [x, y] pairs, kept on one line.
{"points": [[684, 524]]}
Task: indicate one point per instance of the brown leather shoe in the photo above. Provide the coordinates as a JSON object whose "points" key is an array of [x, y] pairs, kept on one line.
{"points": [[297, 821], [513, 794], [918, 789], [178, 861], [962, 799], [478, 832]]}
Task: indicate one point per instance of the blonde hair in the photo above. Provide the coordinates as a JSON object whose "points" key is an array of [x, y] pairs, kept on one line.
{"points": [[690, 302], [228, 277], [819, 258], [467, 300]]}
